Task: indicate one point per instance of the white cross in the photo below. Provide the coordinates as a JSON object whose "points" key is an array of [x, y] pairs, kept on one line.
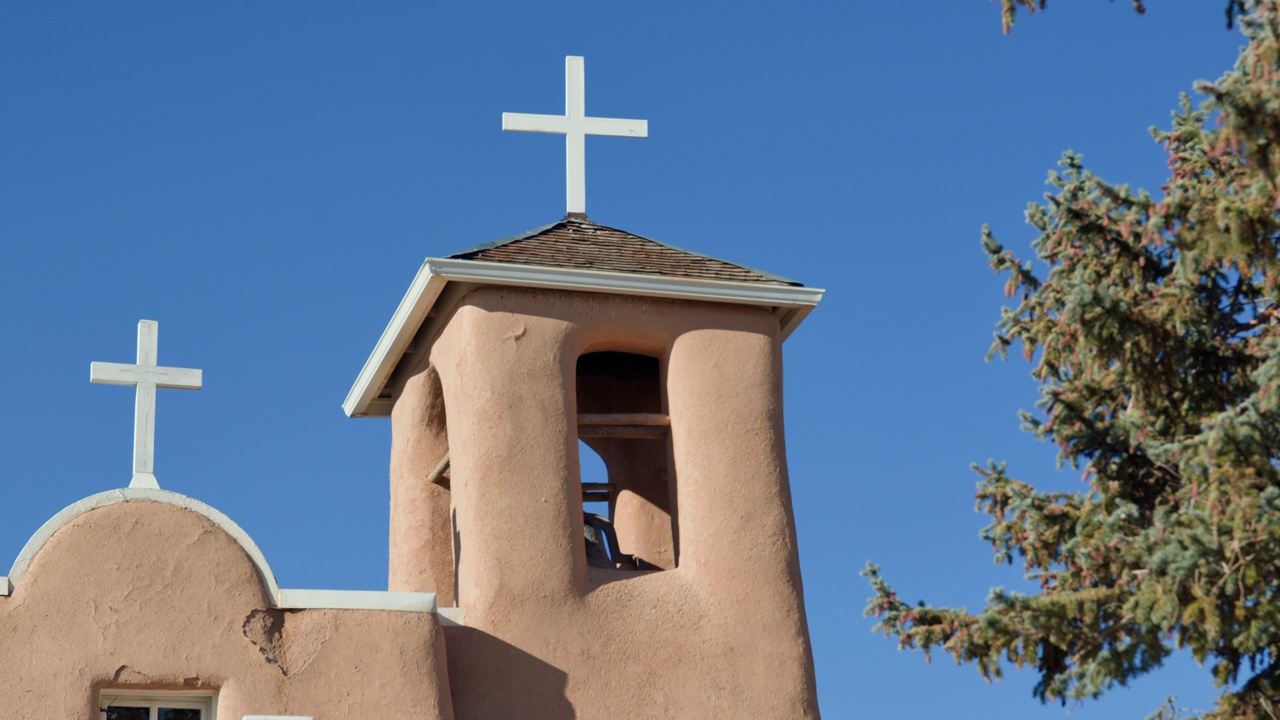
{"points": [[575, 126], [146, 376]]}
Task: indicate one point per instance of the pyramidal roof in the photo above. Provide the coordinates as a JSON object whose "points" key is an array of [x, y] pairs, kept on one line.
{"points": [[576, 242], [574, 255]]}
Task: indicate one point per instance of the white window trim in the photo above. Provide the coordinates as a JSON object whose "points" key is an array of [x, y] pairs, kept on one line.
{"points": [[154, 699]]}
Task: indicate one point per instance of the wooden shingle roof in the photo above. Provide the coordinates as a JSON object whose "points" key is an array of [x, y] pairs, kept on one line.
{"points": [[572, 255], [576, 242]]}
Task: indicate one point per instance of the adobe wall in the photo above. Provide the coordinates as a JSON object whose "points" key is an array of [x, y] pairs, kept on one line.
{"points": [[147, 595], [420, 530], [723, 634]]}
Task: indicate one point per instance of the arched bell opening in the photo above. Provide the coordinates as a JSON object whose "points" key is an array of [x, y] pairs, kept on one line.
{"points": [[629, 510]]}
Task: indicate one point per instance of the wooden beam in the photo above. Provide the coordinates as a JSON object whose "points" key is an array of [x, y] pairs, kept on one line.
{"points": [[648, 432], [437, 473], [649, 419]]}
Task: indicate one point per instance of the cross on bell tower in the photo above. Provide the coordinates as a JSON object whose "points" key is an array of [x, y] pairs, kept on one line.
{"points": [[575, 126]]}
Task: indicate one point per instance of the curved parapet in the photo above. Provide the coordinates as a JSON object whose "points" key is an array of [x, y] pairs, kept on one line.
{"points": [[147, 590], [124, 495], [280, 598]]}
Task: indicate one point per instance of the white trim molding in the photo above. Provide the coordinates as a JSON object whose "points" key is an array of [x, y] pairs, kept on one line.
{"points": [[136, 494], [790, 303], [408, 317], [286, 599], [205, 701], [357, 600], [495, 273], [452, 616]]}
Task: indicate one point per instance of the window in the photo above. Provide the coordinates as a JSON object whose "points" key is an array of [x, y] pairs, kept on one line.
{"points": [[133, 705], [629, 504], [595, 480]]}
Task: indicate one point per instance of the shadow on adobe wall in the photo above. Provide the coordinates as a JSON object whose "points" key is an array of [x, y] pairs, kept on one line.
{"points": [[493, 679]]}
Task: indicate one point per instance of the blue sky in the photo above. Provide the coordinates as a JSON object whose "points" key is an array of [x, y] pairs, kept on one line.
{"points": [[265, 178]]}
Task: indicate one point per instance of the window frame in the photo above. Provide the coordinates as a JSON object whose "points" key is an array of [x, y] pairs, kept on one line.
{"points": [[153, 700]]}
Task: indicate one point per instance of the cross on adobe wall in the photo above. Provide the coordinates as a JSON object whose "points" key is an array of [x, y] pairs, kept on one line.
{"points": [[146, 376]]}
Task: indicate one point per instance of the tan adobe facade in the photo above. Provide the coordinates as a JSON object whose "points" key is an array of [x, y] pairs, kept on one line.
{"points": [[516, 590]]}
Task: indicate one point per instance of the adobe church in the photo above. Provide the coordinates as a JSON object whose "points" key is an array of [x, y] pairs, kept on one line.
{"points": [[516, 590]]}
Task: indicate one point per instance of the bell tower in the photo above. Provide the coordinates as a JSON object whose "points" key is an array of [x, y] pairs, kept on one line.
{"points": [[671, 589]]}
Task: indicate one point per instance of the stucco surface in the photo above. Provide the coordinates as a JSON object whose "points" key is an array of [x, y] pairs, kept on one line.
{"points": [[721, 635], [421, 539], [146, 595]]}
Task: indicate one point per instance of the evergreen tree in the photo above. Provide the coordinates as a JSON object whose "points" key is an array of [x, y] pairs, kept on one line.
{"points": [[1155, 337], [1009, 9]]}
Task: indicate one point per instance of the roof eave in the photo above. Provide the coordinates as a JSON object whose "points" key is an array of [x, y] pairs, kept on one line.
{"points": [[792, 304], [405, 322]]}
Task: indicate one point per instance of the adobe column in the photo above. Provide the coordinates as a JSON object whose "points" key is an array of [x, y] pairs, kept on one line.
{"points": [[506, 383], [421, 536], [737, 530]]}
